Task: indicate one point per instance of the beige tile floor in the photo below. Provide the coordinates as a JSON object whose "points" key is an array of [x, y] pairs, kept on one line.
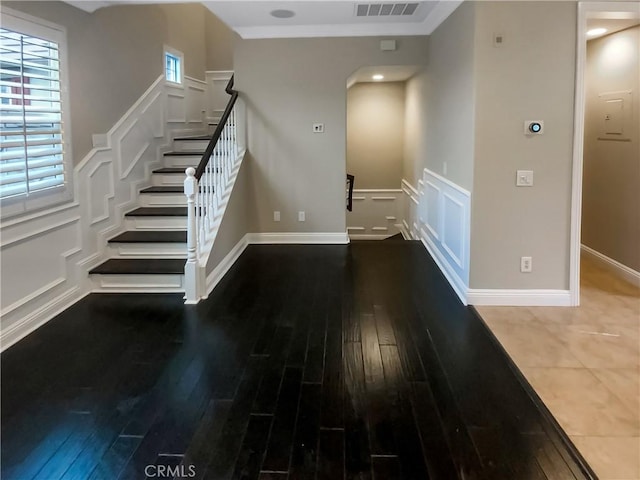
{"points": [[584, 363]]}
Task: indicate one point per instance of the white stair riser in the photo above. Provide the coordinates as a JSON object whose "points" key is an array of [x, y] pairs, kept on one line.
{"points": [[190, 145], [138, 250], [182, 160], [162, 199], [168, 179], [138, 283], [155, 223]]}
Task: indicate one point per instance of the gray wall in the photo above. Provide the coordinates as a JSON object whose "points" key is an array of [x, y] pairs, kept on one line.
{"points": [[611, 182], [375, 134], [531, 77], [115, 54], [219, 43], [289, 84], [238, 218]]}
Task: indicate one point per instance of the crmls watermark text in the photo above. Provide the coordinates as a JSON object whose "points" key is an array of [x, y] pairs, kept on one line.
{"points": [[170, 471]]}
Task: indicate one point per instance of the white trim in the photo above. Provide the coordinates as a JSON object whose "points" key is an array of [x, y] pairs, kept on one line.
{"points": [[365, 236], [20, 329], [439, 14], [586, 10], [620, 270], [446, 181], [225, 264], [452, 277], [329, 238], [519, 298], [175, 54], [378, 190]]}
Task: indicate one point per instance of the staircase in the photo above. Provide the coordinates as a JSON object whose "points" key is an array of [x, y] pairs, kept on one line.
{"points": [[150, 255]]}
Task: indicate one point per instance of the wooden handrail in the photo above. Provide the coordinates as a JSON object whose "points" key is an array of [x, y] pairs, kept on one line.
{"points": [[350, 179], [206, 156]]}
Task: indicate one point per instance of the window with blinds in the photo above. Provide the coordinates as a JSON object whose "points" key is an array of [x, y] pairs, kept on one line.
{"points": [[31, 143]]}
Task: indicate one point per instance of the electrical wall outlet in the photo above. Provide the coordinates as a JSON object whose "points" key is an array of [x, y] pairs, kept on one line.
{"points": [[301, 216], [526, 264], [276, 216], [318, 128]]}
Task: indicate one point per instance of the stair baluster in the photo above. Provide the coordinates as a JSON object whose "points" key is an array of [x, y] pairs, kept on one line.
{"points": [[205, 187]]}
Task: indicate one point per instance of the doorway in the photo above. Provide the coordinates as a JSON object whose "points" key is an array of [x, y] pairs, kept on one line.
{"points": [[606, 170]]}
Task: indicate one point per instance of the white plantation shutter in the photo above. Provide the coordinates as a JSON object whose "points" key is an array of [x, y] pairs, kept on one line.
{"points": [[31, 145]]}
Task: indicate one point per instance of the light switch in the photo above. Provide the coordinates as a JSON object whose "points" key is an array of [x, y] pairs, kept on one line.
{"points": [[524, 178]]}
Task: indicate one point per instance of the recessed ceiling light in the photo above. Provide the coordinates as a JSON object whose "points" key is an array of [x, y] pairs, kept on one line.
{"points": [[378, 77], [283, 13], [596, 31]]}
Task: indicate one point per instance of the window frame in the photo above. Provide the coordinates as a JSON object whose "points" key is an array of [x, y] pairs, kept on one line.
{"points": [[170, 51], [54, 196]]}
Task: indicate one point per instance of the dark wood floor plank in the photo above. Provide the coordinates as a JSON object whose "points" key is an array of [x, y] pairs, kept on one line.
{"points": [[224, 452], [356, 430], [267, 394], [386, 468], [331, 455], [384, 326], [305, 444], [332, 415], [278, 454], [253, 447], [322, 361], [381, 441]]}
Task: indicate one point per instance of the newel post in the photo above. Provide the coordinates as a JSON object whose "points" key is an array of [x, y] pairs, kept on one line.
{"points": [[191, 267]]}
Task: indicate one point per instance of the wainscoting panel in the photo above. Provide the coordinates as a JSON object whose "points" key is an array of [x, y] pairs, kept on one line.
{"points": [[217, 98], [376, 214], [442, 221], [47, 254]]}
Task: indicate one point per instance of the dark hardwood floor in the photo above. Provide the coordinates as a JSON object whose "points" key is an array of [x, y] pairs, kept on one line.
{"points": [[306, 362]]}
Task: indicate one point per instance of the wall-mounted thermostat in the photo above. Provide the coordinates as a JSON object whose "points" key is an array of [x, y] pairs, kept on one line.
{"points": [[533, 127]]}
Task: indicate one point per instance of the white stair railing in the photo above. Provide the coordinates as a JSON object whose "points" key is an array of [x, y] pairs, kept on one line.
{"points": [[205, 188]]}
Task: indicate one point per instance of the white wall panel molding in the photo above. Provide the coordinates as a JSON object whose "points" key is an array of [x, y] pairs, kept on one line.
{"points": [[375, 213], [216, 99], [47, 255], [438, 213]]}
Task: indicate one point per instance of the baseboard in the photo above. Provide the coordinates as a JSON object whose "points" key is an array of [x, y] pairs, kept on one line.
{"points": [[338, 238], [454, 280], [519, 298], [225, 264], [20, 329], [620, 270], [365, 236]]}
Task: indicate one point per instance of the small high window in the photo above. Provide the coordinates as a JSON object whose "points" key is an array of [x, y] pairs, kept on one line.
{"points": [[173, 65]]}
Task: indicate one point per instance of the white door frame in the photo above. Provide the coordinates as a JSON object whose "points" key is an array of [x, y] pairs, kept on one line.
{"points": [[586, 10]]}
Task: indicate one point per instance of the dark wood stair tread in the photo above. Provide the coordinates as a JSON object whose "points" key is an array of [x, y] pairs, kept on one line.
{"points": [[183, 154], [151, 236], [171, 170], [200, 138], [154, 266], [158, 212], [164, 189]]}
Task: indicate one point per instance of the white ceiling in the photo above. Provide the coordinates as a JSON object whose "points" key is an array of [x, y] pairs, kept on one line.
{"points": [[313, 18], [396, 73], [612, 25], [322, 18]]}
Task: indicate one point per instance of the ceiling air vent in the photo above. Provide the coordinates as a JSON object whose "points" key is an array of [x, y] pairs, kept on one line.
{"points": [[385, 9]]}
